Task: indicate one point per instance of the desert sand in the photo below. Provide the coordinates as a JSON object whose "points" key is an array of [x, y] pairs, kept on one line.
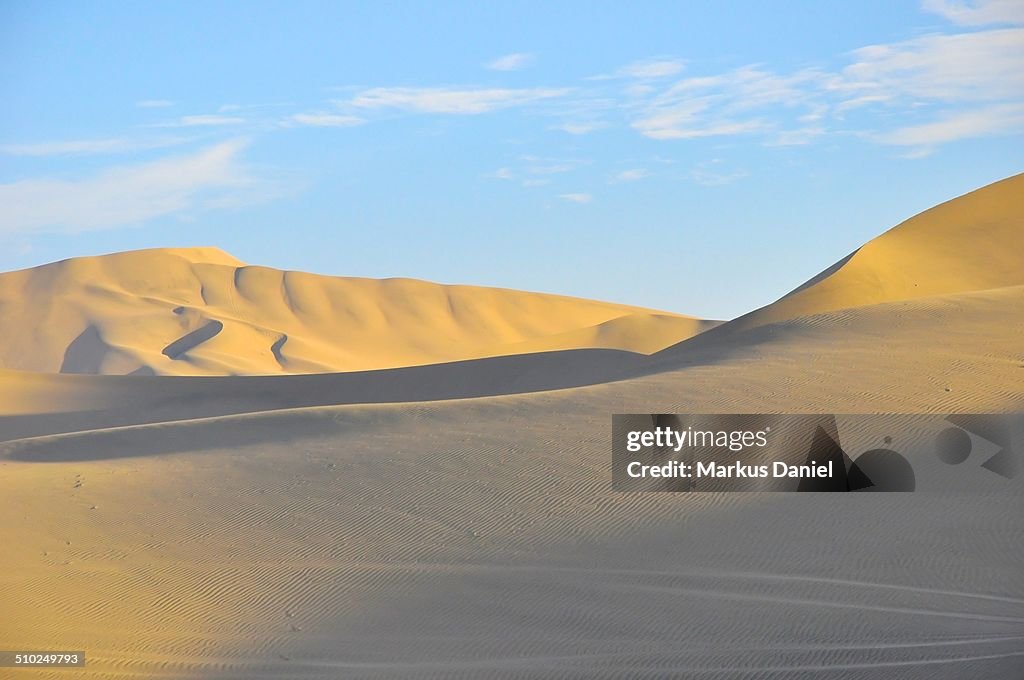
{"points": [[456, 520], [199, 311]]}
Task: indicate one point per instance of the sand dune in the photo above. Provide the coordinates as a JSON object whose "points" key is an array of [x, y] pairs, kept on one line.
{"points": [[480, 539], [199, 311], [824, 347], [299, 527], [969, 243]]}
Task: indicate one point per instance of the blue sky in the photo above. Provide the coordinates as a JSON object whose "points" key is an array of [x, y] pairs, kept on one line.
{"points": [[700, 157]]}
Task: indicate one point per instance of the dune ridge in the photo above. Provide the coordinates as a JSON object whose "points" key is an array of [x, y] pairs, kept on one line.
{"points": [[199, 311], [969, 243]]}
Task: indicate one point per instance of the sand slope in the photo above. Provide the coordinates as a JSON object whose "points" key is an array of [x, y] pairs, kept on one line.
{"points": [[973, 242], [479, 538], [454, 537], [198, 311]]}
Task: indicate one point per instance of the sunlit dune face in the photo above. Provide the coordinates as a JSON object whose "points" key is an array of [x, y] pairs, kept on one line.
{"points": [[199, 311]]}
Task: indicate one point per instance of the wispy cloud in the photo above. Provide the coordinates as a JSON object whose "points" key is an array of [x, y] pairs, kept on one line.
{"points": [[325, 120], [944, 78], [501, 173], [713, 173], [544, 165], [451, 100], [982, 122], [576, 197], [646, 69], [682, 121], [731, 103], [978, 13], [511, 62], [969, 85], [580, 128], [82, 147], [655, 68], [532, 171], [212, 177], [797, 137], [550, 168], [883, 92], [202, 120], [983, 65], [631, 175], [154, 103]]}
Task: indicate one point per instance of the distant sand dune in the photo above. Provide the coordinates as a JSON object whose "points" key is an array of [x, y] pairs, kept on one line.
{"points": [[882, 341], [199, 311]]}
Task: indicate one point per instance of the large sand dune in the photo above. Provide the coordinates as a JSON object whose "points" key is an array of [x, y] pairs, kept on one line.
{"points": [[199, 311], [970, 243], [298, 527]]}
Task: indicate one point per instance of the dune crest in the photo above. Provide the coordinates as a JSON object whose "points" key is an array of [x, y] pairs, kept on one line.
{"points": [[200, 311], [970, 243]]}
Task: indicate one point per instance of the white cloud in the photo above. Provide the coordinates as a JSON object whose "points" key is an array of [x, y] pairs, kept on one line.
{"points": [[551, 168], [647, 69], [631, 175], [154, 103], [840, 109], [730, 103], [946, 77], [511, 62], [448, 100], [919, 152], [711, 174], [532, 171], [583, 128], [203, 120], [73, 147], [713, 129], [576, 198], [670, 120], [210, 119], [541, 165], [978, 13], [130, 194], [501, 173], [683, 121], [326, 120], [973, 83], [662, 68], [993, 120], [638, 90], [797, 137], [985, 65]]}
